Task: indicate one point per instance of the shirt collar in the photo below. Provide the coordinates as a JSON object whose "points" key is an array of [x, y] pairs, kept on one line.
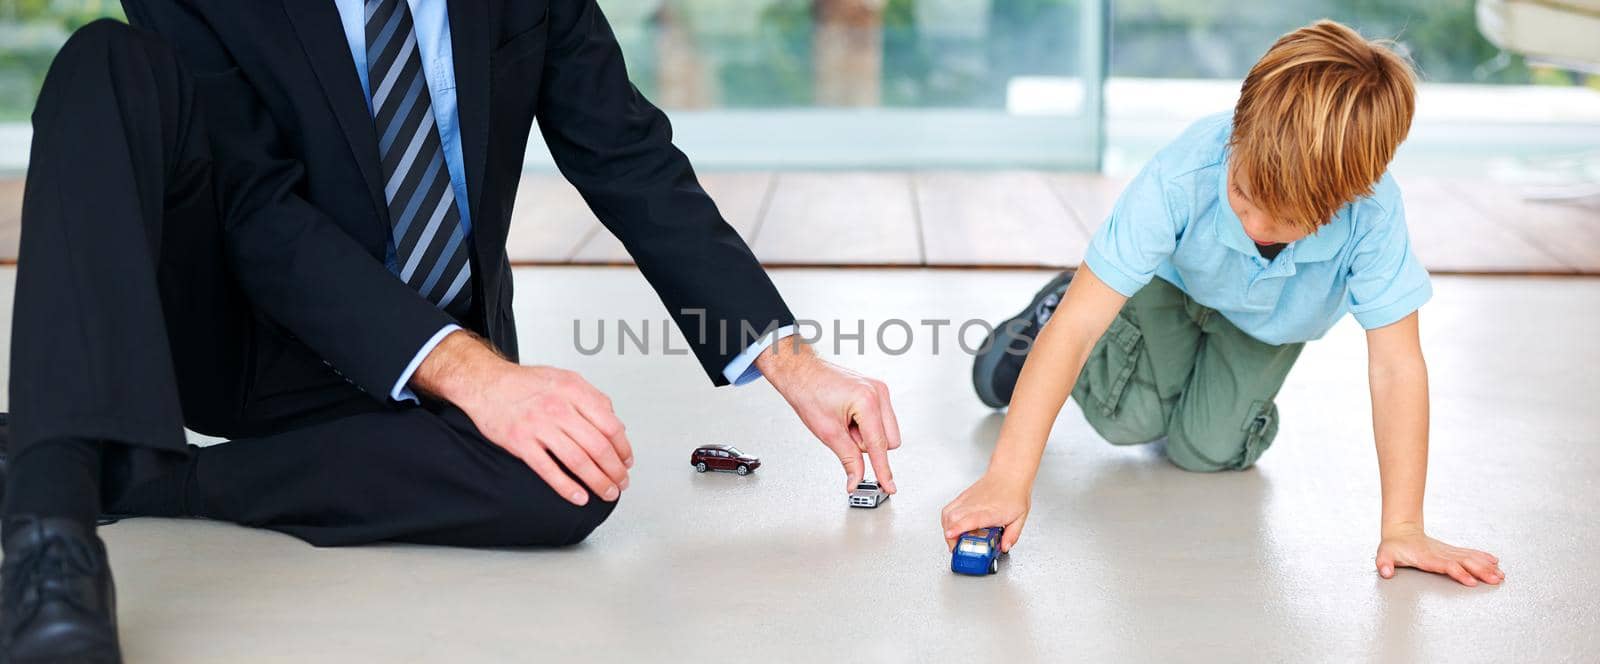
{"points": [[1319, 246], [1326, 242]]}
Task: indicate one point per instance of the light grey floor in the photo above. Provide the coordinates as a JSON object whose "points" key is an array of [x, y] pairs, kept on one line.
{"points": [[1125, 558]]}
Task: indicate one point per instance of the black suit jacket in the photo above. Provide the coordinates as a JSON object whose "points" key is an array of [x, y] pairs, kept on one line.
{"points": [[296, 157]]}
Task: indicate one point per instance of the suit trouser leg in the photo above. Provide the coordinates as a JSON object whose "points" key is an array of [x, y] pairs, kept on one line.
{"points": [[128, 326], [123, 307], [415, 475]]}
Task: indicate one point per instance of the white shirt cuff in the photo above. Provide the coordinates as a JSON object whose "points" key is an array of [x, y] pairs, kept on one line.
{"points": [[742, 369], [400, 391]]}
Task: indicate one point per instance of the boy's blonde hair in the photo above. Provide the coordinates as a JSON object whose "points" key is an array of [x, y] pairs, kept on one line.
{"points": [[1318, 121]]}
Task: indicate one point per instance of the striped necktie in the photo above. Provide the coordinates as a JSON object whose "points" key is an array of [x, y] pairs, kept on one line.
{"points": [[431, 253]]}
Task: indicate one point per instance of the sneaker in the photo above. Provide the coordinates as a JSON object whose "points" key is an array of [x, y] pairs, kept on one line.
{"points": [[999, 360]]}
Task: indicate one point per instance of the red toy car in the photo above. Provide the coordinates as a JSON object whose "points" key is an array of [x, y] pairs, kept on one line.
{"points": [[723, 457]]}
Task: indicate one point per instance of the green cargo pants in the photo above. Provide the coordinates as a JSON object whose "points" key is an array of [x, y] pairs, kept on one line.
{"points": [[1169, 367]]}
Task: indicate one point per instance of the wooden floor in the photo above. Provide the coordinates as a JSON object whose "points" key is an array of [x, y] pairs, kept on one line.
{"points": [[1001, 219]]}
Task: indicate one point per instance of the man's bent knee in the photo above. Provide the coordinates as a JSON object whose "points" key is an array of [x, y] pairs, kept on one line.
{"points": [[589, 518], [107, 38], [535, 516], [112, 64]]}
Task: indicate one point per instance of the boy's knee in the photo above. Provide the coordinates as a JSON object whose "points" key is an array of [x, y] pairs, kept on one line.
{"points": [[1211, 444], [1130, 428], [1182, 453], [1133, 416]]}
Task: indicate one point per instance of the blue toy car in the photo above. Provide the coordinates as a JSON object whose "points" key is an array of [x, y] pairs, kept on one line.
{"points": [[977, 553]]}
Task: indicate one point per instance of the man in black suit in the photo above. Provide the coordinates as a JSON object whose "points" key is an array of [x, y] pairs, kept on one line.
{"points": [[279, 222]]}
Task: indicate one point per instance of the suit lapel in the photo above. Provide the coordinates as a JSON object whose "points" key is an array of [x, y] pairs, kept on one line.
{"points": [[321, 34], [469, 40]]}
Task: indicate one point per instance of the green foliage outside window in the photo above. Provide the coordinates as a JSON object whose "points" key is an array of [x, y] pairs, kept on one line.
{"points": [[935, 53]]}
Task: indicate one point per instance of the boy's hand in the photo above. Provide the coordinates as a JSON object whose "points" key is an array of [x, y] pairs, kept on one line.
{"points": [[1407, 546], [996, 499]]}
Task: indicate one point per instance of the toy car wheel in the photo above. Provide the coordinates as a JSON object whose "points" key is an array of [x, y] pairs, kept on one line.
{"points": [[994, 566], [743, 470], [700, 467]]}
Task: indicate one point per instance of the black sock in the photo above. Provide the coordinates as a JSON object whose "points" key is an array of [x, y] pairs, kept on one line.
{"points": [[55, 478], [152, 485]]}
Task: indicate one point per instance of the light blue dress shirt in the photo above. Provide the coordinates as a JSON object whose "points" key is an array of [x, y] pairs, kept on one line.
{"points": [[431, 20], [1174, 222]]}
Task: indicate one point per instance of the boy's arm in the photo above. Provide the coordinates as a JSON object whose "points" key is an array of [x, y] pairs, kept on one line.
{"points": [[1398, 379], [1001, 496]]}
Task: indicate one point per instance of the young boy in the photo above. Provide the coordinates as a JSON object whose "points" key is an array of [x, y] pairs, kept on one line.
{"points": [[1242, 240]]}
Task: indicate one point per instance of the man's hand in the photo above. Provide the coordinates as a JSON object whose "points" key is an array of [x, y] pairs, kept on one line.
{"points": [[540, 414], [848, 412], [1405, 545], [996, 499]]}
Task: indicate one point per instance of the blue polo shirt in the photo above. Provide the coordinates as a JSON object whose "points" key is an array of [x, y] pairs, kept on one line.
{"points": [[1174, 222]]}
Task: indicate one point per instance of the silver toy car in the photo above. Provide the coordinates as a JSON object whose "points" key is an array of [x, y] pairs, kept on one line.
{"points": [[867, 494]]}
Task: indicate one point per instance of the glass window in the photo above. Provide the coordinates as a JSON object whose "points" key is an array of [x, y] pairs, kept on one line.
{"points": [[1165, 39], [758, 84], [861, 83], [780, 83], [974, 547], [1480, 109]]}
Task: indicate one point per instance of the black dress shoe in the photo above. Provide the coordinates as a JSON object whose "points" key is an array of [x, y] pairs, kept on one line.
{"points": [[1000, 358], [56, 595]]}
